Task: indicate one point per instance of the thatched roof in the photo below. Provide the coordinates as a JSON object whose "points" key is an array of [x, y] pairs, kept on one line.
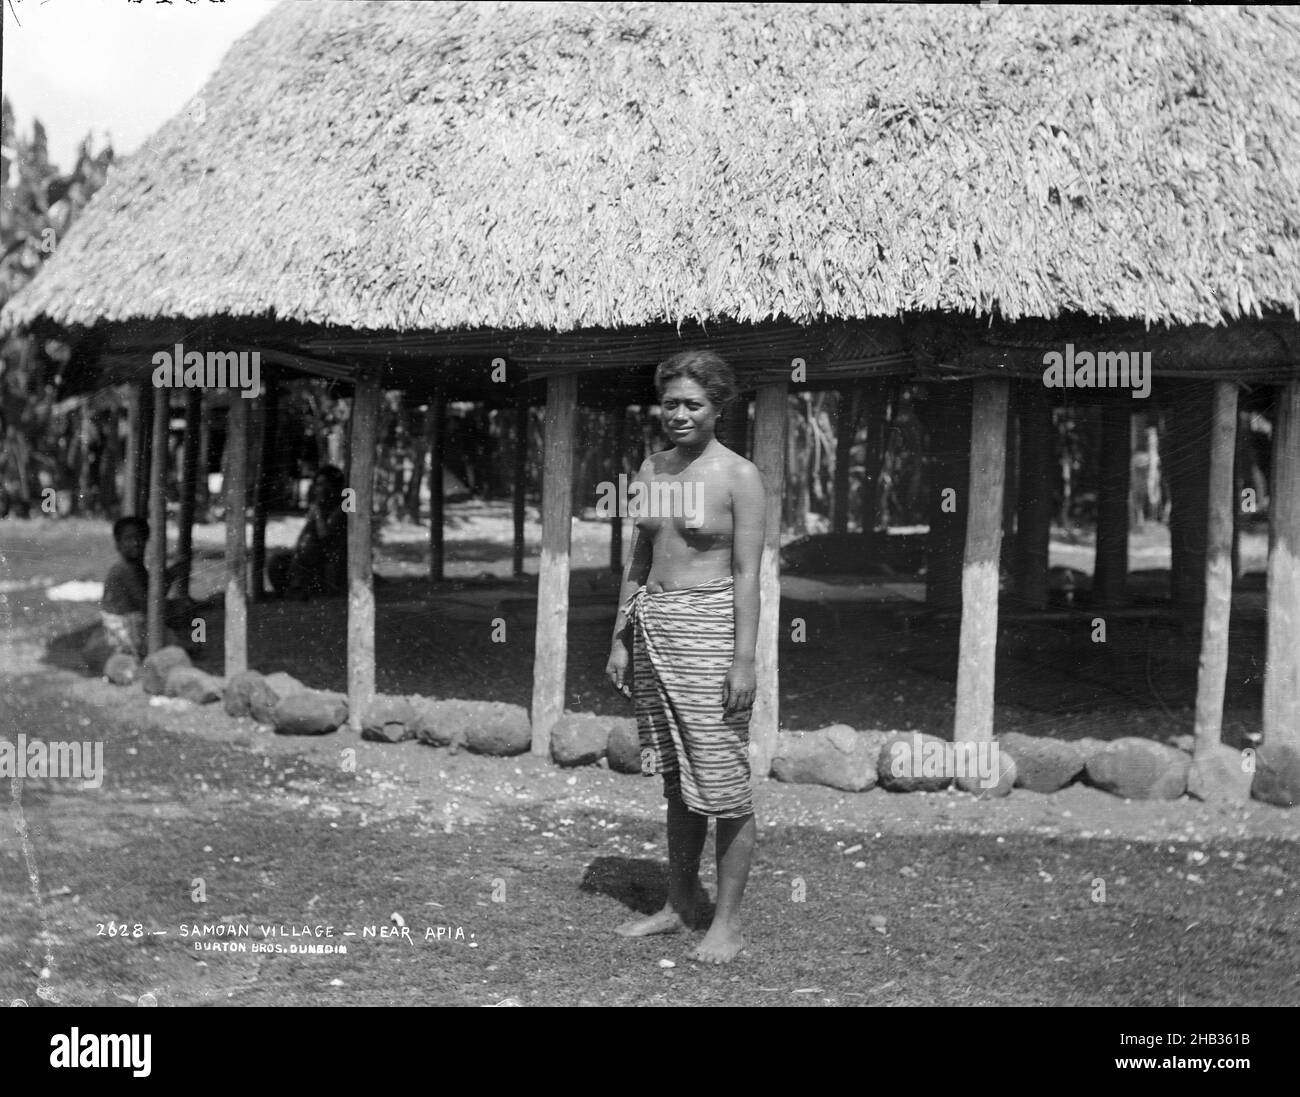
{"points": [[432, 167]]}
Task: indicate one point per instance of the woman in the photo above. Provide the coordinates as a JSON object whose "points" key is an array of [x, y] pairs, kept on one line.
{"points": [[687, 624]]}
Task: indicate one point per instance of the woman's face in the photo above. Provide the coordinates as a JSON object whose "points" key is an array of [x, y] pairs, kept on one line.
{"points": [[323, 488], [689, 416]]}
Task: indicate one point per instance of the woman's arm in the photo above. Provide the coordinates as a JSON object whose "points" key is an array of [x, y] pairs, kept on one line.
{"points": [[748, 509], [637, 569]]}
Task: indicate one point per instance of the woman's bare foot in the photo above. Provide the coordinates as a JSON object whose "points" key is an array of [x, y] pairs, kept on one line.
{"points": [[667, 920], [720, 945]]}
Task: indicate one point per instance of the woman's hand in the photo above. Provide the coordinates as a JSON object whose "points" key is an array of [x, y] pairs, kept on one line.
{"points": [[738, 688], [616, 668]]}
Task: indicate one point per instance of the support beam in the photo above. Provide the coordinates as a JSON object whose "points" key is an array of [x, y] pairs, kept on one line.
{"points": [[550, 653], [144, 465], [235, 483], [435, 435], [1282, 668], [771, 421], [202, 502], [1212, 673], [131, 465], [519, 486], [361, 592], [266, 442], [189, 488], [616, 519], [846, 428], [976, 662], [1115, 463], [158, 520]]}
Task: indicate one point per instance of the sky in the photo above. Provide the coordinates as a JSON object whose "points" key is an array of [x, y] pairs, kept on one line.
{"points": [[112, 67]]}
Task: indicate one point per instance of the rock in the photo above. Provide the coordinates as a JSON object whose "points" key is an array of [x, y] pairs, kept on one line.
{"points": [[912, 762], [486, 727], [96, 651], [310, 712], [192, 684], [389, 720], [1139, 769], [623, 750], [284, 684], [248, 694], [1046, 765], [579, 739], [1221, 774], [122, 669], [835, 756], [1277, 775], [498, 729], [439, 723], [984, 767], [153, 674]]}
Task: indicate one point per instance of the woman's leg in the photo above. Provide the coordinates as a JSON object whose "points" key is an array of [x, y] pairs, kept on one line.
{"points": [[686, 834], [736, 839]]}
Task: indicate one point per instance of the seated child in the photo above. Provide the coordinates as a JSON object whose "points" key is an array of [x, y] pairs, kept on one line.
{"points": [[124, 604], [318, 563]]}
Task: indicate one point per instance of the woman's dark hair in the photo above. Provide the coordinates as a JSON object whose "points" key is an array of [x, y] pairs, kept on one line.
{"points": [[124, 524], [334, 481], [706, 368]]}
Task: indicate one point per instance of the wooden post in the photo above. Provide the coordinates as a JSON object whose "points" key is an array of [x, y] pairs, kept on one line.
{"points": [[266, 441], [771, 422], [144, 466], [189, 486], [519, 486], [616, 519], [361, 593], [880, 398], [550, 653], [1034, 497], [435, 434], [158, 520], [201, 500], [1212, 673], [1115, 464], [977, 659], [948, 420], [235, 485], [1011, 478], [1187, 464], [1281, 723], [131, 466], [846, 426]]}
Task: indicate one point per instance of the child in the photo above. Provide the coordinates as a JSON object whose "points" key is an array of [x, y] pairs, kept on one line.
{"points": [[125, 601]]}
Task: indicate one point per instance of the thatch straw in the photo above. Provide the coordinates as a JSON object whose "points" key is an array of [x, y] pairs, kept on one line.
{"points": [[434, 167]]}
